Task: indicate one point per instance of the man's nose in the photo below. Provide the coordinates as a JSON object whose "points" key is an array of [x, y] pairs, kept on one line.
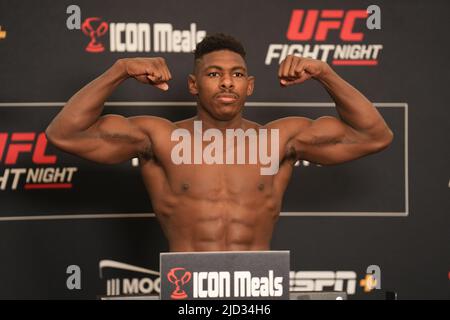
{"points": [[227, 82]]}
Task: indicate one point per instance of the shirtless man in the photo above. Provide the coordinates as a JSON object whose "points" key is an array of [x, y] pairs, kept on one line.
{"points": [[215, 207]]}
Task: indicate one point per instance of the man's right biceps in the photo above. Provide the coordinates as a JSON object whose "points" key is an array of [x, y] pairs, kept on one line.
{"points": [[107, 153], [83, 148]]}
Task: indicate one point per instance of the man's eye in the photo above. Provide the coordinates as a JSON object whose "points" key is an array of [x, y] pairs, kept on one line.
{"points": [[213, 74], [238, 74]]}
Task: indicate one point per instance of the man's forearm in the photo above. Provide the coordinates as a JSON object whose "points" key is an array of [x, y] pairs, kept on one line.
{"points": [[85, 107], [353, 107]]}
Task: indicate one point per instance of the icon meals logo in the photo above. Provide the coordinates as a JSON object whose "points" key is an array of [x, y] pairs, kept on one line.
{"points": [[139, 37], [133, 37], [219, 284]]}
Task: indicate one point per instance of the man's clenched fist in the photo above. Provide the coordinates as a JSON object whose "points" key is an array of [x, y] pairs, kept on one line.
{"points": [[153, 71], [295, 70]]}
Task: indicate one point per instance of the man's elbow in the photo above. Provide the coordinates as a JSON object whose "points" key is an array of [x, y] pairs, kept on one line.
{"points": [[48, 133], [51, 135], [54, 137], [382, 143]]}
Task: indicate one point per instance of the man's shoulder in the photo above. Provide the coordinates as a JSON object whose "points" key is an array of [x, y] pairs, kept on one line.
{"points": [[288, 122], [152, 124], [251, 124], [184, 123]]}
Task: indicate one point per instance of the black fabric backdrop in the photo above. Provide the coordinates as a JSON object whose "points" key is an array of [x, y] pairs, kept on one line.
{"points": [[390, 209]]}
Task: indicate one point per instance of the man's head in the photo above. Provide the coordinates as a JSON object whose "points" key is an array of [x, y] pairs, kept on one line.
{"points": [[220, 79]]}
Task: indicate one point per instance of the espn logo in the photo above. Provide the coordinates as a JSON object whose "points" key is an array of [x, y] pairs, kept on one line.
{"points": [[308, 281]]}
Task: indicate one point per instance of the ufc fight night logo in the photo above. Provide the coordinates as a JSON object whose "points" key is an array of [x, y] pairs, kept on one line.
{"points": [[21, 147], [309, 30]]}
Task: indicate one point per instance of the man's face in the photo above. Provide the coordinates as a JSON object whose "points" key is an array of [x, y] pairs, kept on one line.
{"points": [[221, 83]]}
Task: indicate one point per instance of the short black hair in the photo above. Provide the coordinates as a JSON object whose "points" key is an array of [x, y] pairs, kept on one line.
{"points": [[218, 41]]}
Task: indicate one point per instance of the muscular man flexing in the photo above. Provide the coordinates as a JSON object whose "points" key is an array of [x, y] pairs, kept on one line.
{"points": [[217, 206]]}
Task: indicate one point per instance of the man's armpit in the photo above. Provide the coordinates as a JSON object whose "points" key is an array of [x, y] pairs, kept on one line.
{"points": [[147, 153]]}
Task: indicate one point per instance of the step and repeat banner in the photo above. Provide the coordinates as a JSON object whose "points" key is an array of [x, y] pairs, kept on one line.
{"points": [[71, 228]]}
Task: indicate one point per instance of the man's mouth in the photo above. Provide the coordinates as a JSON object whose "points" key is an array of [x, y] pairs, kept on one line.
{"points": [[226, 97]]}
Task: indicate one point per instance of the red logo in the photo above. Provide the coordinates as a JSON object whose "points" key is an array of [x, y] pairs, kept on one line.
{"points": [[316, 27], [179, 281], [18, 147], [94, 28]]}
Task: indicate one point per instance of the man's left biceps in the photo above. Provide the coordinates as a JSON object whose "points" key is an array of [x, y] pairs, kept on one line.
{"points": [[340, 153]]}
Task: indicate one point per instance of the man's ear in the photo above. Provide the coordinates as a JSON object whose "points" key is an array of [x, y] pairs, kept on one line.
{"points": [[192, 84], [250, 85]]}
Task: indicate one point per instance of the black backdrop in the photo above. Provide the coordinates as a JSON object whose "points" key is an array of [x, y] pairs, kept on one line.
{"points": [[389, 209]]}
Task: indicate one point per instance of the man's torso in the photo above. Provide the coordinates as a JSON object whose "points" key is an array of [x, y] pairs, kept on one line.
{"points": [[213, 207]]}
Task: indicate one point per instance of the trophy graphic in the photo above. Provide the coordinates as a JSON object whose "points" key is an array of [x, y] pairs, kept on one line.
{"points": [[179, 281], [94, 28]]}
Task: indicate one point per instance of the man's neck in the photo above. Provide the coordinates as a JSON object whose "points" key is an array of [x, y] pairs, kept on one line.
{"points": [[209, 122]]}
